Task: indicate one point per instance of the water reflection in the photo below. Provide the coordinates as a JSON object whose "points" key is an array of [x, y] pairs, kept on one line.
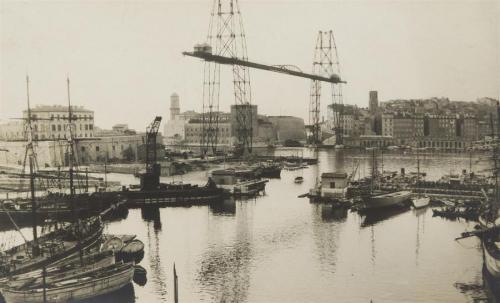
{"points": [[490, 286], [152, 214], [225, 267], [158, 276], [330, 213], [420, 214], [123, 295], [326, 237], [375, 216], [224, 208]]}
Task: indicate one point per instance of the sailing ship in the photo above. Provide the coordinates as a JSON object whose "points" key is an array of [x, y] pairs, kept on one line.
{"points": [[419, 200], [59, 244], [382, 199], [489, 220], [67, 282]]}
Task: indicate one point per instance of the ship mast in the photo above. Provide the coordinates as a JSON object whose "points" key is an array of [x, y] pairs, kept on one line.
{"points": [[71, 168], [31, 155]]}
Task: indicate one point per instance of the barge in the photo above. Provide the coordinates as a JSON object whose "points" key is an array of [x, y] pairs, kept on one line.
{"points": [[239, 182]]}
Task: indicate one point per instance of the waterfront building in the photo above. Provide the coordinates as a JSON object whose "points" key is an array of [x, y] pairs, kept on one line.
{"points": [[194, 131], [288, 128], [387, 125], [12, 131], [403, 129], [249, 116], [50, 122]]}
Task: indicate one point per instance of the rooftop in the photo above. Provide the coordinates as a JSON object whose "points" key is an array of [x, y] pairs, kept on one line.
{"points": [[334, 175], [58, 108]]}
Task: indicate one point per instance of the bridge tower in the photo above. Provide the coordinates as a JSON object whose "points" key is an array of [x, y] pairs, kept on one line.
{"points": [[325, 63], [226, 37]]}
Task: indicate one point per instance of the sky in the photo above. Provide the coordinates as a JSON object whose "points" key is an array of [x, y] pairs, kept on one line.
{"points": [[124, 57]]}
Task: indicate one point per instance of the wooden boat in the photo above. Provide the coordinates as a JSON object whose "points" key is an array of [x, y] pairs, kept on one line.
{"points": [[114, 244], [386, 199], [270, 170], [79, 287], [53, 246], [239, 182], [131, 251], [89, 263], [298, 180], [421, 202], [491, 248]]}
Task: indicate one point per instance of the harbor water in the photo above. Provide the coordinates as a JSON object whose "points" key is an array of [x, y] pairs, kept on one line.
{"points": [[281, 248]]}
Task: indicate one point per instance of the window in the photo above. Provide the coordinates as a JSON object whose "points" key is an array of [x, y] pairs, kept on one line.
{"points": [[113, 148], [332, 184], [91, 126], [97, 148], [86, 127], [59, 127], [83, 148]]}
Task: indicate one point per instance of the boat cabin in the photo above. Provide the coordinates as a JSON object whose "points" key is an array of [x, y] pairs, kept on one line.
{"points": [[334, 184], [232, 176]]}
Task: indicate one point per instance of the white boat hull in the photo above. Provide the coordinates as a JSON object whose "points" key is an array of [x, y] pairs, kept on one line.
{"points": [[83, 290], [492, 264], [387, 200], [421, 202]]}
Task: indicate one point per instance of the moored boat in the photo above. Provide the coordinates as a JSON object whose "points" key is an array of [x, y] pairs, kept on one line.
{"points": [[53, 246], [239, 182], [298, 180], [175, 195], [386, 199], [79, 287], [421, 202], [491, 248], [88, 263]]}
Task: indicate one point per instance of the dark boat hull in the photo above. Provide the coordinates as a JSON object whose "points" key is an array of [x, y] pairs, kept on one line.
{"points": [[161, 198]]}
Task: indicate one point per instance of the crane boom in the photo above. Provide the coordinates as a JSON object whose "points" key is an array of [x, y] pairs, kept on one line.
{"points": [[207, 56]]}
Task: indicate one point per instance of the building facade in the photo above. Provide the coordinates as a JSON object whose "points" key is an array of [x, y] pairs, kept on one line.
{"points": [[50, 122]]}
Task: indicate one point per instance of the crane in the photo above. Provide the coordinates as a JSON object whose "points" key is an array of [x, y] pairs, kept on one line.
{"points": [[151, 178], [204, 52]]}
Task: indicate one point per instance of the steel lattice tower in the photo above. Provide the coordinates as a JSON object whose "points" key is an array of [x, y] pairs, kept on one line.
{"points": [[326, 63], [226, 36]]}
